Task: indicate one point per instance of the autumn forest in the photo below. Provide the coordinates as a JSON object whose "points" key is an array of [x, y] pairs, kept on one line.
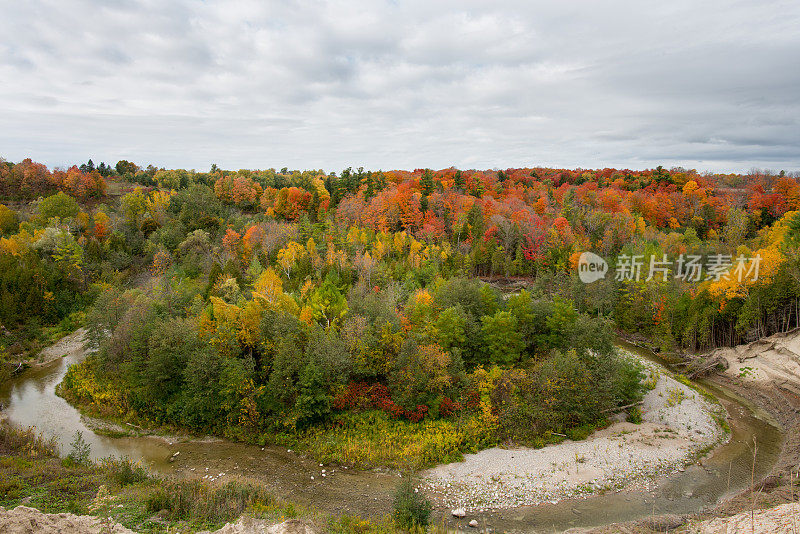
{"points": [[427, 313]]}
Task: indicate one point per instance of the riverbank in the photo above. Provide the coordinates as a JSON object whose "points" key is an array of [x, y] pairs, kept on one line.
{"points": [[336, 489], [765, 373], [42, 492], [678, 425], [71, 344]]}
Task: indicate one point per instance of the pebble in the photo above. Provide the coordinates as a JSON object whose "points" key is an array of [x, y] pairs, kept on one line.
{"points": [[473, 523], [459, 512]]}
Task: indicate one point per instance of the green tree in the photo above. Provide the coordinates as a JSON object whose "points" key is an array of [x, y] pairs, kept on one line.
{"points": [[328, 304], [459, 181], [426, 182], [313, 404], [80, 450], [450, 327], [560, 324], [202, 401], [169, 348], [59, 205], [126, 167], [521, 307], [329, 354], [503, 342]]}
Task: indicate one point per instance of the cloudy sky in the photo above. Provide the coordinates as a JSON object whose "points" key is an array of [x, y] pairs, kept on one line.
{"points": [[710, 85]]}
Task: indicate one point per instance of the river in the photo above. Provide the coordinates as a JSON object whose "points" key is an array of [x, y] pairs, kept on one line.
{"points": [[30, 400]]}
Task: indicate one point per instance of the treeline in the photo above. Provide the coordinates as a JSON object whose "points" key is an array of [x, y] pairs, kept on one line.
{"points": [[531, 223]]}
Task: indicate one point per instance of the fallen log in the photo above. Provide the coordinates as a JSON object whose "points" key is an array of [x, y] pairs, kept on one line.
{"points": [[620, 408]]}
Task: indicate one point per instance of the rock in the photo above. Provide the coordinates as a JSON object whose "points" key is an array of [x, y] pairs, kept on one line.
{"points": [[24, 520], [474, 523], [459, 512], [246, 525], [292, 526]]}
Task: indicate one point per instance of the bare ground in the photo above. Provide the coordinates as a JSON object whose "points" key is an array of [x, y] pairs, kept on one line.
{"points": [[70, 344], [677, 424], [767, 373]]}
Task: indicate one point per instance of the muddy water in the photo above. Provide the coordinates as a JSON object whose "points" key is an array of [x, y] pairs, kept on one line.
{"points": [[30, 400]]}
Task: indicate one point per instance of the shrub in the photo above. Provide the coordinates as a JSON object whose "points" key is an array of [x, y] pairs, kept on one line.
{"points": [[199, 503], [80, 450], [412, 511], [372, 439], [26, 442], [635, 415], [124, 471], [676, 396]]}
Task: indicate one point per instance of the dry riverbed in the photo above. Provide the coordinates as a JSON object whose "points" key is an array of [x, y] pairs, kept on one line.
{"points": [[678, 425]]}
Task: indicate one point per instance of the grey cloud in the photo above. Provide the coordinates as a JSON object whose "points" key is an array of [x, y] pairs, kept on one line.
{"points": [[314, 84]]}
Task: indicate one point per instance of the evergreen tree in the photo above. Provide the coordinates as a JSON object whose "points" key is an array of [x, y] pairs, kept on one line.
{"points": [[460, 182], [426, 182]]}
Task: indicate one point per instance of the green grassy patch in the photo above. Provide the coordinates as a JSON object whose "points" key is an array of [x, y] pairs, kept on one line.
{"points": [[373, 439]]}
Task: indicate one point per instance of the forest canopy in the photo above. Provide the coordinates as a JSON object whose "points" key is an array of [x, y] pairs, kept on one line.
{"points": [[274, 305]]}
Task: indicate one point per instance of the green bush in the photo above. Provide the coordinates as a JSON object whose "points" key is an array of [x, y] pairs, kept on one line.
{"points": [[412, 510], [80, 450], [124, 471], [635, 415]]}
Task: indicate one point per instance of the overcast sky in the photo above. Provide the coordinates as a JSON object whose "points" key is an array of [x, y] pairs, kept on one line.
{"points": [[710, 85]]}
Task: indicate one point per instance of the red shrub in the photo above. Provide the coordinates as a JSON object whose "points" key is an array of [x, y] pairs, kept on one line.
{"points": [[447, 407]]}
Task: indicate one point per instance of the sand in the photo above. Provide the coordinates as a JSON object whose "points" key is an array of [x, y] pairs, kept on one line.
{"points": [[67, 345], [671, 435], [769, 362]]}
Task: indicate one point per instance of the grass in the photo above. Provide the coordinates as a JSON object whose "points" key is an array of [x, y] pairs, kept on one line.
{"points": [[31, 471], [372, 439], [707, 395], [122, 491]]}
